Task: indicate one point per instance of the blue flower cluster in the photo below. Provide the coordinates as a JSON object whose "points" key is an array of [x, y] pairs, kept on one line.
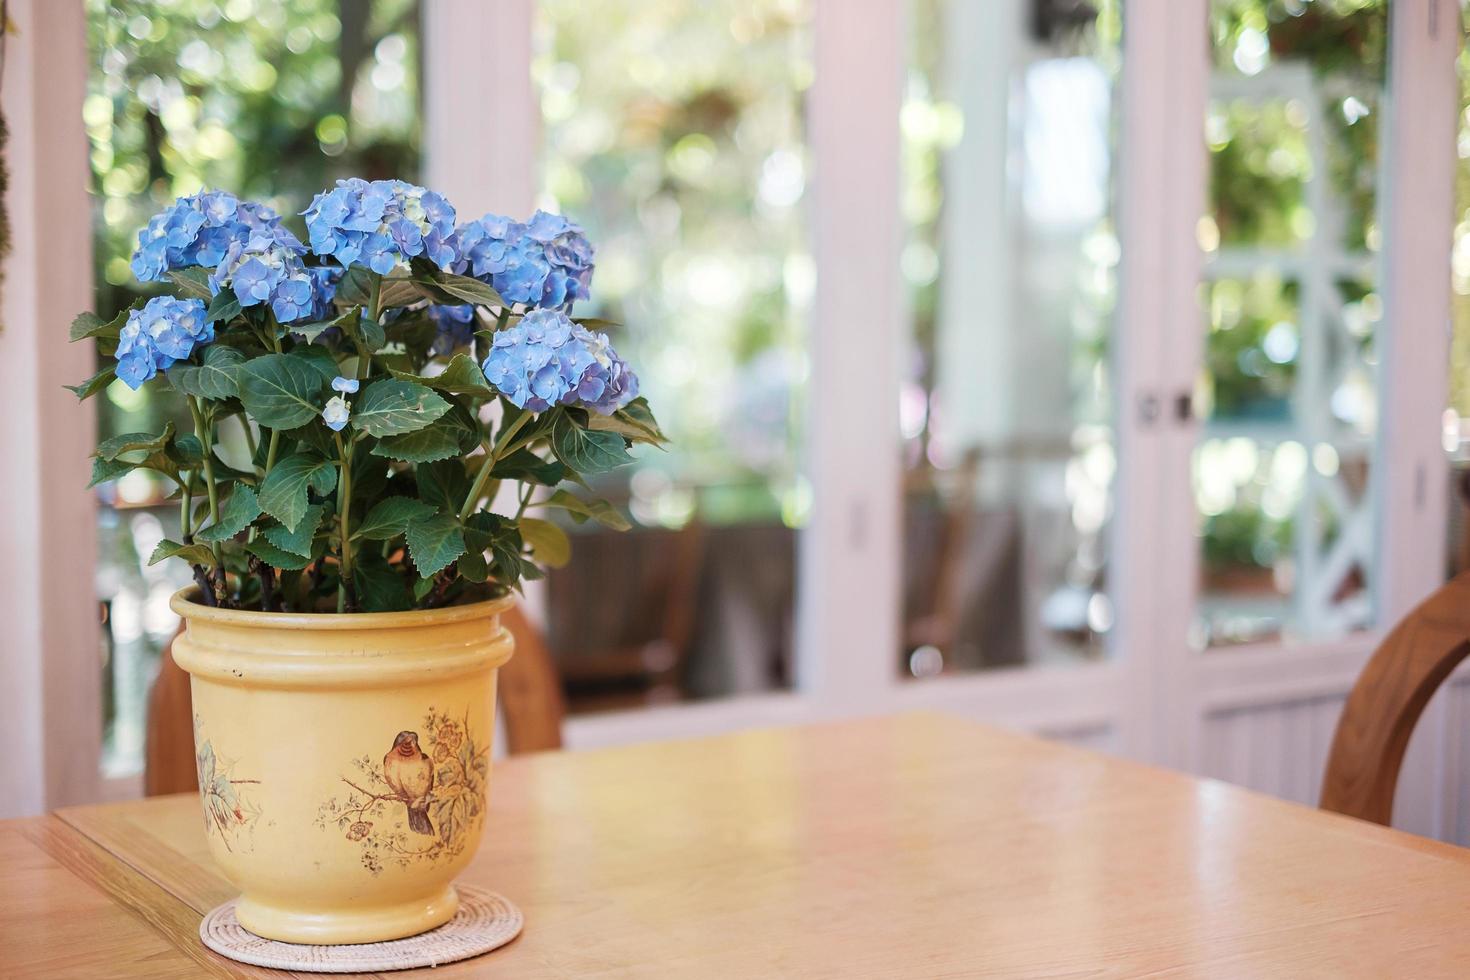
{"points": [[546, 262], [264, 271], [199, 230], [545, 359], [456, 326], [165, 330], [380, 224]]}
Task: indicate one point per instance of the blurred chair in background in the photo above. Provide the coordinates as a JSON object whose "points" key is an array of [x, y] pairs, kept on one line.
{"points": [[1387, 700]]}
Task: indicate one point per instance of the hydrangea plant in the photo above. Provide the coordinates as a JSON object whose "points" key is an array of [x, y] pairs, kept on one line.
{"points": [[410, 392]]}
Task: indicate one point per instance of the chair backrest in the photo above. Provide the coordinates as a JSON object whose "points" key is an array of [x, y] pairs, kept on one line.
{"points": [[530, 700], [1387, 700]]}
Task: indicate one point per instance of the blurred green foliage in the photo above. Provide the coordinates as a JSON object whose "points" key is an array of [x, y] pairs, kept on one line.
{"points": [[272, 101]]}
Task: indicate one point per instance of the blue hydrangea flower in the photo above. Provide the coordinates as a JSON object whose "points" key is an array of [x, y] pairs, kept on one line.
{"points": [[546, 262], [335, 413], [546, 359], [347, 386], [199, 229], [456, 326], [324, 280], [261, 270], [381, 224], [164, 331]]}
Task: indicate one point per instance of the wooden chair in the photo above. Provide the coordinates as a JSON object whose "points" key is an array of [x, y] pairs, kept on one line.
{"points": [[530, 701], [1387, 700]]}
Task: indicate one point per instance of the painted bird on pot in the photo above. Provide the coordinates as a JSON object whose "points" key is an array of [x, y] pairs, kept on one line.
{"points": [[410, 774]]}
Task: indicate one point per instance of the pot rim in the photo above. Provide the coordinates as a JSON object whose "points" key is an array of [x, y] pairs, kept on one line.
{"points": [[189, 610]]}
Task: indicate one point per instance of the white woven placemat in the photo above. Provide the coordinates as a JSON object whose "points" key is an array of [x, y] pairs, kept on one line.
{"points": [[484, 922]]}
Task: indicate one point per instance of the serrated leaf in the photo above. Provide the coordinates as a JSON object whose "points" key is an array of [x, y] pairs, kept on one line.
{"points": [[311, 331], [298, 542], [91, 325], [468, 290], [238, 510], [130, 442], [526, 467], [633, 422], [192, 283], [320, 359], [398, 291], [462, 376], [94, 384], [283, 492], [455, 433], [380, 586], [600, 511], [390, 407], [423, 446], [549, 544], [280, 391], [224, 305], [472, 567], [596, 323], [276, 557], [194, 554], [108, 469], [444, 484], [587, 451], [434, 542], [214, 379], [390, 517]]}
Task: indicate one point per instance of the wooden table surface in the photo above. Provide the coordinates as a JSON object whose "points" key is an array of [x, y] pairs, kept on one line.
{"points": [[917, 845]]}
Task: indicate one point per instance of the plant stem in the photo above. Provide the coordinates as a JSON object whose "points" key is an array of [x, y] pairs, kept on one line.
{"points": [[525, 500], [250, 442], [375, 307], [205, 432], [346, 594], [491, 458]]}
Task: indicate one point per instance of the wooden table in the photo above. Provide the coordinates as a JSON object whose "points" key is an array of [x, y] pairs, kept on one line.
{"points": [[917, 845]]}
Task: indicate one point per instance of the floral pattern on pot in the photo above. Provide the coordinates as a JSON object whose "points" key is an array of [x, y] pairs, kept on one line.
{"points": [[420, 802], [230, 810]]}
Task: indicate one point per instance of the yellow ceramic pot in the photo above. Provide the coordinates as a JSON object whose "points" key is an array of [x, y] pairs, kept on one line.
{"points": [[343, 761]]}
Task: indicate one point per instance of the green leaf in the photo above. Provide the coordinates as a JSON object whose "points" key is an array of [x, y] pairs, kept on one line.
{"points": [[443, 483], [600, 511], [320, 359], [432, 442], [472, 567], [389, 407], [276, 557], [283, 492], [311, 331], [298, 542], [367, 336], [462, 376], [526, 467], [91, 325], [454, 434], [390, 517], [398, 291], [549, 544], [280, 392], [434, 542], [380, 586], [194, 554], [94, 384], [108, 469], [214, 379], [192, 283], [596, 323], [587, 451], [224, 305], [634, 422], [468, 290], [235, 515], [130, 442]]}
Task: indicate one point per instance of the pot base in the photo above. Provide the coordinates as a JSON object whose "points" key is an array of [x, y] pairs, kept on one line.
{"points": [[341, 926]]}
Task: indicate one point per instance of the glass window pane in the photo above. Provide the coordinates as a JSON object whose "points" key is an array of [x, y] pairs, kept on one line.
{"points": [[272, 101], [1008, 125], [1288, 394], [673, 132]]}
